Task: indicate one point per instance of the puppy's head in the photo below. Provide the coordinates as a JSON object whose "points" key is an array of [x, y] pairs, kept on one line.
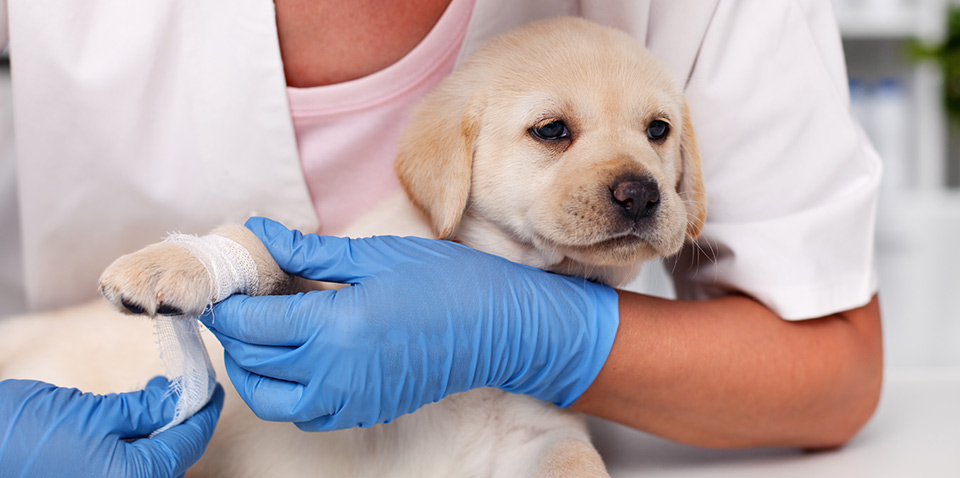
{"points": [[563, 139]]}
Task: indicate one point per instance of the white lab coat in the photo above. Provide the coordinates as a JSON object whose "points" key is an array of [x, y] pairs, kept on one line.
{"points": [[137, 118]]}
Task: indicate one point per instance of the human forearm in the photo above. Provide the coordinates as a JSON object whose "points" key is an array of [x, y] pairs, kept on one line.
{"points": [[729, 373]]}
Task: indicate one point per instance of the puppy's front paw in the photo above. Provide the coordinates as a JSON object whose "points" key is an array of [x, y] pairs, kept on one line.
{"points": [[162, 278]]}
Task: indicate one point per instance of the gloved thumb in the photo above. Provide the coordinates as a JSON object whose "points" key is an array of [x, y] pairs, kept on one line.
{"points": [[136, 414], [180, 447], [334, 259]]}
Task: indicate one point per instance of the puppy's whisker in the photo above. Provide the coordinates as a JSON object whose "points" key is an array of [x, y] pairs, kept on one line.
{"points": [[710, 255]]}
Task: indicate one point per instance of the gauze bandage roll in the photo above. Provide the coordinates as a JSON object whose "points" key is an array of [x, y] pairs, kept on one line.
{"points": [[191, 374], [231, 269]]}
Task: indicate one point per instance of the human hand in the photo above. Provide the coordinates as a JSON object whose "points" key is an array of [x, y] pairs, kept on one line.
{"points": [[46, 430], [422, 319]]}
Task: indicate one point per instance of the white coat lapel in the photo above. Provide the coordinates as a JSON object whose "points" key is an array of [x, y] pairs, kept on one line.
{"points": [[134, 119], [675, 33]]}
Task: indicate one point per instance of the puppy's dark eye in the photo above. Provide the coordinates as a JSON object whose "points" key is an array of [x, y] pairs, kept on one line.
{"points": [[657, 130], [552, 130]]}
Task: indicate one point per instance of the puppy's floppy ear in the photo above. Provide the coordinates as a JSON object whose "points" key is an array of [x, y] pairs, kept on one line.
{"points": [[435, 158], [690, 185]]}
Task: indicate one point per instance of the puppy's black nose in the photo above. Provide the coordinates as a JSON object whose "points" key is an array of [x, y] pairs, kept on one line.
{"points": [[635, 198]]}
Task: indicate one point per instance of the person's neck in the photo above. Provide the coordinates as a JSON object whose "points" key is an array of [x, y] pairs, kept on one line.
{"points": [[323, 42]]}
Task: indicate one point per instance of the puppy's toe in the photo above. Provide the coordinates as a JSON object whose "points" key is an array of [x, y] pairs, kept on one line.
{"points": [[160, 279]]}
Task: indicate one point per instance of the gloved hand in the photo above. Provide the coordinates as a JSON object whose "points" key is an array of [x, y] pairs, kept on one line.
{"points": [[51, 431], [422, 320]]}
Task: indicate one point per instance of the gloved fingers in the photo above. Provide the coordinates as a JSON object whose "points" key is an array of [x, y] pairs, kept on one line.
{"points": [[123, 415], [271, 399], [135, 414], [282, 320], [21, 399], [277, 362], [158, 382], [177, 449], [311, 256], [339, 420], [339, 259], [17, 391], [322, 424]]}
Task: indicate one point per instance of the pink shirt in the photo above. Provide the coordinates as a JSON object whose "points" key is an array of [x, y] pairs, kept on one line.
{"points": [[347, 133]]}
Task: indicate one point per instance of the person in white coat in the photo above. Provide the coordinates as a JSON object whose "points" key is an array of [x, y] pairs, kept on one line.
{"points": [[134, 119]]}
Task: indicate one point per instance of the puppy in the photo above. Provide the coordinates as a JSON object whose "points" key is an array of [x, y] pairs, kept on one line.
{"points": [[563, 145]]}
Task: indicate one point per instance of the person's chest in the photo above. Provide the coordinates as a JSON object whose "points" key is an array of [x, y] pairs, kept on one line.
{"points": [[324, 42]]}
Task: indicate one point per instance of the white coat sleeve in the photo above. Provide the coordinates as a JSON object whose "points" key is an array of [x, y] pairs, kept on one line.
{"points": [[791, 179]]}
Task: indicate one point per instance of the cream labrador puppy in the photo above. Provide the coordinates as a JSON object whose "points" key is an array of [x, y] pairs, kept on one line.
{"points": [[563, 145]]}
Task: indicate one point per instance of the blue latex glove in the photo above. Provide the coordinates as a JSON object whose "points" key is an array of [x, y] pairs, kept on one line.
{"points": [[423, 319], [46, 431]]}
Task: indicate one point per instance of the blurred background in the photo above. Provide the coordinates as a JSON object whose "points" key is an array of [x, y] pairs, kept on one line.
{"points": [[903, 61]]}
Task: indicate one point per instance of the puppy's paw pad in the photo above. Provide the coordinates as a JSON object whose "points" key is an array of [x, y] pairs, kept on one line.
{"points": [[131, 307], [161, 279], [164, 309]]}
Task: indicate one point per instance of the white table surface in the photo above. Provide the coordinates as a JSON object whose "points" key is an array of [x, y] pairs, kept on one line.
{"points": [[914, 433]]}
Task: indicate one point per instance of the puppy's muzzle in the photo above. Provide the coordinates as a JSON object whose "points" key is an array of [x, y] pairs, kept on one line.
{"points": [[635, 197]]}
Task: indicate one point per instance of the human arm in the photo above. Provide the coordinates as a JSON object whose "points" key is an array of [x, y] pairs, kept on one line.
{"points": [[727, 373], [52, 431]]}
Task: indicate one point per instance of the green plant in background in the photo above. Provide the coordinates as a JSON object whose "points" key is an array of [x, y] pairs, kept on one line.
{"points": [[947, 55]]}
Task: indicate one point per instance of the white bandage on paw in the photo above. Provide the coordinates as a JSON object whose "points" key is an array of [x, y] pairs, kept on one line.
{"points": [[231, 269], [230, 265]]}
